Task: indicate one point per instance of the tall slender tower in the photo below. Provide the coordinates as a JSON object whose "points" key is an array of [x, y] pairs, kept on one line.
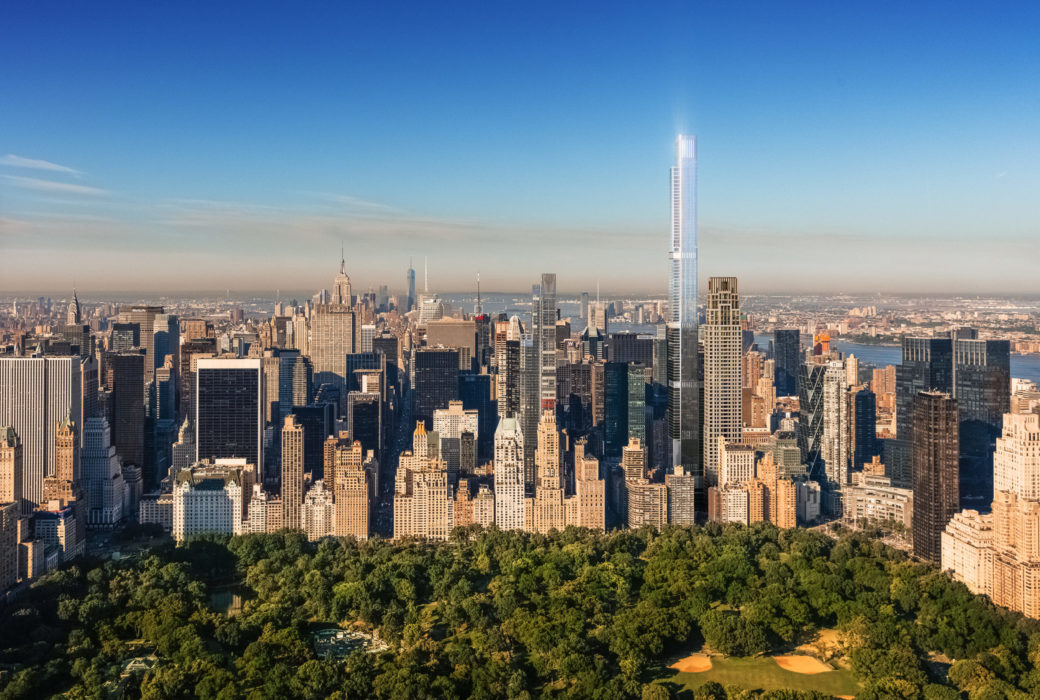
{"points": [[544, 326], [935, 469], [683, 383], [722, 367], [292, 473]]}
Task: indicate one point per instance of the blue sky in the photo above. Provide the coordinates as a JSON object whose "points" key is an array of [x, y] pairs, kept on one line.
{"points": [[842, 146]]}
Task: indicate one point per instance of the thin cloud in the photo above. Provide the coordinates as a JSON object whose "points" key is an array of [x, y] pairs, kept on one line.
{"points": [[34, 183], [37, 164]]}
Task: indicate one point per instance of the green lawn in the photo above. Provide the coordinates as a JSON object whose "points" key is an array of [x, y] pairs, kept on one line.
{"points": [[762, 673]]}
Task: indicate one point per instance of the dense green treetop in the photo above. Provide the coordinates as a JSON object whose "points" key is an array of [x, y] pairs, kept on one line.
{"points": [[493, 614]]}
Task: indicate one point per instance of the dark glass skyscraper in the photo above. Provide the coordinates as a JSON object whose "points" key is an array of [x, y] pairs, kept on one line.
{"points": [[982, 387], [229, 400], [864, 416], [684, 410], [935, 470], [810, 419], [787, 358], [927, 365], [436, 381]]}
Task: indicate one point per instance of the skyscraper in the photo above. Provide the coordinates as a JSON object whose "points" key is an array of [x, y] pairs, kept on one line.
{"points": [[788, 359], [509, 475], [927, 365], [36, 393], [543, 318], [292, 473], [341, 293], [683, 383], [436, 381], [102, 476], [410, 283], [935, 470], [722, 371], [11, 467], [229, 398], [127, 385], [982, 387], [333, 331]]}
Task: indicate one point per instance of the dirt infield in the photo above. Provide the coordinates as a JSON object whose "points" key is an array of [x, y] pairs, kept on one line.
{"points": [[802, 664], [694, 663]]}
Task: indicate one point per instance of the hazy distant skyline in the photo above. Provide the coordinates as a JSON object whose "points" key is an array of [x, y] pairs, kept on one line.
{"points": [[842, 148]]}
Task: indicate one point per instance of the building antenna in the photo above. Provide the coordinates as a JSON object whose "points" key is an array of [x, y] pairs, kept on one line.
{"points": [[342, 259], [479, 310]]}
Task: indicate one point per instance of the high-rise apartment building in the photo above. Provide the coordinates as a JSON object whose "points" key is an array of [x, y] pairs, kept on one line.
{"points": [[229, 403], [836, 435], [684, 415], [722, 371], [543, 325], [451, 424], [935, 470], [354, 492], [787, 360], [292, 473], [811, 375], [549, 513], [509, 475]]}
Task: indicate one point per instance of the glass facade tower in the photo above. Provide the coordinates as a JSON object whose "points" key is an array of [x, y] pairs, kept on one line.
{"points": [[683, 383]]}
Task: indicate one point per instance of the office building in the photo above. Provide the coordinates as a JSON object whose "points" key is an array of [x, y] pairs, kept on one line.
{"points": [[927, 365], [332, 338], [787, 357], [436, 381], [103, 484], [935, 469], [229, 403], [722, 371], [35, 394], [126, 372], [684, 411], [982, 387]]}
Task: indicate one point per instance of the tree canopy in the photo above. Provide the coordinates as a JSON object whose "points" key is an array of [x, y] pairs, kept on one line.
{"points": [[492, 614]]}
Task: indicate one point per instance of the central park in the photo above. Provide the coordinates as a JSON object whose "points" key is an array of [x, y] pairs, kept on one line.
{"points": [[702, 613]]}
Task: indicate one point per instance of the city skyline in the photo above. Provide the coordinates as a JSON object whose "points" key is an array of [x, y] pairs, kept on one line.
{"points": [[883, 165]]}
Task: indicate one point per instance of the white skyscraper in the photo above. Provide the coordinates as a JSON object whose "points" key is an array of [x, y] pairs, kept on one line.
{"points": [[509, 475]]}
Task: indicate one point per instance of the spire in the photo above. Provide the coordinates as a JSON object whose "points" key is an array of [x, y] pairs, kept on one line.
{"points": [[342, 259], [479, 310]]}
